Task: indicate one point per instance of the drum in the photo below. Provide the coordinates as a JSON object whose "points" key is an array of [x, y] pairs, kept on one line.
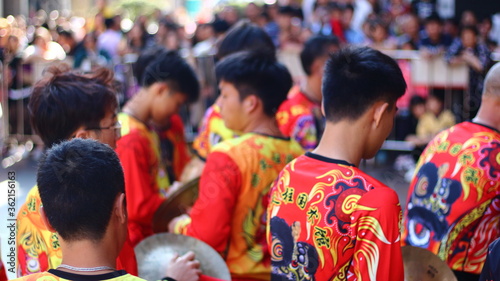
{"points": [[422, 265], [155, 252], [178, 203]]}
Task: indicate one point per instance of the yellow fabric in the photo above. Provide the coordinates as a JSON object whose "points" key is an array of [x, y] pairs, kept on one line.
{"points": [[429, 125]]}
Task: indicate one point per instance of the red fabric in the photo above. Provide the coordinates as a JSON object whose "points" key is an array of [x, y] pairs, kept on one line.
{"points": [[126, 260], [453, 206], [3, 273], [141, 189], [338, 30], [330, 221], [219, 189], [175, 134]]}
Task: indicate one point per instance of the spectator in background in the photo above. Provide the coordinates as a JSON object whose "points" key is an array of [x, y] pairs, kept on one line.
{"points": [[230, 15], [352, 36], [410, 40], [467, 49], [68, 42], [270, 27], [379, 37], [110, 39], [434, 42], [91, 56], [485, 27], [43, 48], [204, 40], [252, 12], [407, 120], [433, 121], [468, 19], [138, 39], [320, 21], [450, 28], [396, 8]]}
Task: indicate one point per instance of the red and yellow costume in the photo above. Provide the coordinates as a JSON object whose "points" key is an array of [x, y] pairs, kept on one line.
{"points": [[327, 220], [173, 145], [229, 214], [38, 248], [146, 181], [300, 118], [453, 203], [211, 132], [58, 275]]}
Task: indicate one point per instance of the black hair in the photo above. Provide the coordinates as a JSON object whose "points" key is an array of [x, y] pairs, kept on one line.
{"points": [[145, 58], [79, 181], [357, 77], [433, 18], [169, 67], [66, 101], [65, 33], [315, 47], [291, 11], [471, 28], [109, 22], [416, 100], [245, 36], [220, 26], [256, 73]]}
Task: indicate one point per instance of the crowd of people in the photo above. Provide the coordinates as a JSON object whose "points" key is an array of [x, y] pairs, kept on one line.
{"points": [[281, 194]]}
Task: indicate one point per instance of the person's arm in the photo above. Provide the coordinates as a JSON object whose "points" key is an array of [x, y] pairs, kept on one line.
{"points": [[143, 197], [452, 55], [211, 216], [377, 251]]}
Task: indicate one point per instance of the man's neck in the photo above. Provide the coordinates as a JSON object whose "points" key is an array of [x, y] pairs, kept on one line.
{"points": [[342, 141], [311, 90], [87, 254], [138, 107], [263, 124]]}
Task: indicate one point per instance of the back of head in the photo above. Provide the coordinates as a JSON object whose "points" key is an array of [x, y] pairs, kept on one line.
{"points": [[256, 73], [79, 181], [492, 82], [357, 77], [315, 47], [169, 67], [245, 36], [65, 101], [144, 59]]}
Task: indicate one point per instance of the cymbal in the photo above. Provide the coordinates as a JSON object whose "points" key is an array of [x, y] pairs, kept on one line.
{"points": [[154, 253], [422, 265], [192, 169], [177, 204]]}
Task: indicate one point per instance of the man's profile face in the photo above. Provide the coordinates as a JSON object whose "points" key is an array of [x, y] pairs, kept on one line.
{"points": [[109, 132], [231, 106]]}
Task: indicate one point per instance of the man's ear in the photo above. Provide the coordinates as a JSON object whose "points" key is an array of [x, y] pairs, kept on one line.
{"points": [[159, 87], [379, 109], [251, 103], [45, 220], [83, 134], [120, 208]]}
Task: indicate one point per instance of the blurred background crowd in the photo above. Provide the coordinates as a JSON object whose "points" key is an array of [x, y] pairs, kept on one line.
{"points": [[443, 47]]}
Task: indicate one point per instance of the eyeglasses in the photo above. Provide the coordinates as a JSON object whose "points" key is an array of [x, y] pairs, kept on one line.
{"points": [[117, 127]]}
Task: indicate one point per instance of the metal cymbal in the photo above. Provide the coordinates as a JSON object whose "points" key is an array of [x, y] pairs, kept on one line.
{"points": [[154, 253], [177, 204], [422, 265]]}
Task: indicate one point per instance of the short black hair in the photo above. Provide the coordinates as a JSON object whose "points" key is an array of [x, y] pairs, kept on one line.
{"points": [[169, 67], [65, 101], [315, 47], [434, 17], [357, 77], [471, 28], [145, 58], [416, 100], [256, 73], [79, 181], [245, 36]]}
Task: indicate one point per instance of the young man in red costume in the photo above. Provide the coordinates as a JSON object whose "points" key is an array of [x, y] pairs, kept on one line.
{"points": [[167, 83], [82, 188], [300, 116], [453, 207], [327, 219], [229, 214]]}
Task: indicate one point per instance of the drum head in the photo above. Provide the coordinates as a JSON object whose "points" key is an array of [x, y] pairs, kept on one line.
{"points": [[177, 204], [154, 253], [422, 265]]}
